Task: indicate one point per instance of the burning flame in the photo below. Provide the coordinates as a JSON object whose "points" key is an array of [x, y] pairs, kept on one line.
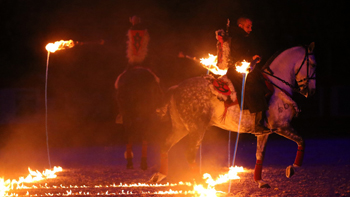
{"points": [[210, 64], [119, 189], [33, 176], [210, 190], [244, 67], [59, 45]]}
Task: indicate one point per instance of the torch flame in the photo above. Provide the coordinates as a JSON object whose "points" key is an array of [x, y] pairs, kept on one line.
{"points": [[210, 64], [59, 45], [244, 67]]}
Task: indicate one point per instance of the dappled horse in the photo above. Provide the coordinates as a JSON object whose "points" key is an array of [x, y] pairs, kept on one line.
{"points": [[194, 106], [138, 95]]}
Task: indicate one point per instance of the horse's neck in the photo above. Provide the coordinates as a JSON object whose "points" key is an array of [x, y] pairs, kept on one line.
{"points": [[283, 67]]}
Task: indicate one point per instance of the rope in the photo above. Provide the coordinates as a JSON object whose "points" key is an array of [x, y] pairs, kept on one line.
{"points": [[200, 150], [239, 125], [46, 129], [229, 149]]}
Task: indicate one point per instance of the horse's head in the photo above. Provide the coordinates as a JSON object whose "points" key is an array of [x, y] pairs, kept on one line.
{"points": [[305, 72]]}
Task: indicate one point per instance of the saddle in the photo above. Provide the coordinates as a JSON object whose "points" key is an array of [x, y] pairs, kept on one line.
{"points": [[224, 91]]}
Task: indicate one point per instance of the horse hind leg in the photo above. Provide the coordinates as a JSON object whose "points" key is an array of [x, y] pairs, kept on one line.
{"points": [[147, 128], [194, 142], [174, 137], [129, 156], [289, 133], [260, 153]]}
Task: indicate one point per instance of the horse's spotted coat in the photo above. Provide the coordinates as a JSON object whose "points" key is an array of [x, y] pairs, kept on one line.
{"points": [[193, 103], [193, 107]]}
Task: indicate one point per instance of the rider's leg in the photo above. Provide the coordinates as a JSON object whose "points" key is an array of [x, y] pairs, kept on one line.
{"points": [[260, 127]]}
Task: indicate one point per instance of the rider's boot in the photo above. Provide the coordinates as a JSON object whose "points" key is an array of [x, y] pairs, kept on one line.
{"points": [[260, 118]]}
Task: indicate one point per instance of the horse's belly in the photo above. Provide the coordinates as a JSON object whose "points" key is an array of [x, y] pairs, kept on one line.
{"points": [[228, 119]]}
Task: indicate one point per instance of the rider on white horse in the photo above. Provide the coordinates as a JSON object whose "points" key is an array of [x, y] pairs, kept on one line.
{"points": [[242, 49]]}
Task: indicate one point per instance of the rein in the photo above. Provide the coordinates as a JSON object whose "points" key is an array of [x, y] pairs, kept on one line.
{"points": [[295, 89]]}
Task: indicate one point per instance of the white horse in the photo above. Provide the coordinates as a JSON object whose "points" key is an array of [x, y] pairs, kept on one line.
{"points": [[194, 106]]}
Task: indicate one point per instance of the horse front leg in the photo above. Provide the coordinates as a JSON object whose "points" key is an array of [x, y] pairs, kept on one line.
{"points": [[290, 133], [128, 154], [260, 153]]}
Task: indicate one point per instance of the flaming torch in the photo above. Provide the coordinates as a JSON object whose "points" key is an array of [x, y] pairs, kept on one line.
{"points": [[59, 45], [244, 68], [210, 64], [53, 47]]}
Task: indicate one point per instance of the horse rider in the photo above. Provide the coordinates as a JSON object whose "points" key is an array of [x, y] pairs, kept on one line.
{"points": [[242, 48], [136, 53], [137, 43]]}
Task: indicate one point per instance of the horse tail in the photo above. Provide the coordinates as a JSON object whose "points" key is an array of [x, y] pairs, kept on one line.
{"points": [[162, 110]]}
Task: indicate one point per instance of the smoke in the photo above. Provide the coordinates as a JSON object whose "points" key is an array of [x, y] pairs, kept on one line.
{"points": [[81, 94]]}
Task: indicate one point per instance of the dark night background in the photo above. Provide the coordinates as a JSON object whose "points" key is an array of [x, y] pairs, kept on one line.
{"points": [[81, 103]]}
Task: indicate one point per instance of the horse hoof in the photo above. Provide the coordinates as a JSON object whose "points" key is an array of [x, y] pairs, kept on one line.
{"points": [[263, 184], [143, 163], [290, 170], [157, 177], [129, 164]]}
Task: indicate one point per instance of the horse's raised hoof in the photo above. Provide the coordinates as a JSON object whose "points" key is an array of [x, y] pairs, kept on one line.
{"points": [[143, 163], [129, 164], [157, 177], [290, 170], [263, 184]]}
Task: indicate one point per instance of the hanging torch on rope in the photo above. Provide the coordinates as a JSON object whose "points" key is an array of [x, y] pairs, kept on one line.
{"points": [[51, 48], [65, 44], [243, 68]]}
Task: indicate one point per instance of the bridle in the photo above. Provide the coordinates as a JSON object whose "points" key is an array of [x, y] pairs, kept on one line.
{"points": [[306, 79]]}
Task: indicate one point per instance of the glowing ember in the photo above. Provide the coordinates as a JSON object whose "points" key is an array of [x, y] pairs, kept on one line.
{"points": [[244, 67], [210, 64], [59, 45], [33, 176], [210, 190]]}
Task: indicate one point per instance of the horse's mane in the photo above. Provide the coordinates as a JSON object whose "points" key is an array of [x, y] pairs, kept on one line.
{"points": [[270, 60], [276, 54]]}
